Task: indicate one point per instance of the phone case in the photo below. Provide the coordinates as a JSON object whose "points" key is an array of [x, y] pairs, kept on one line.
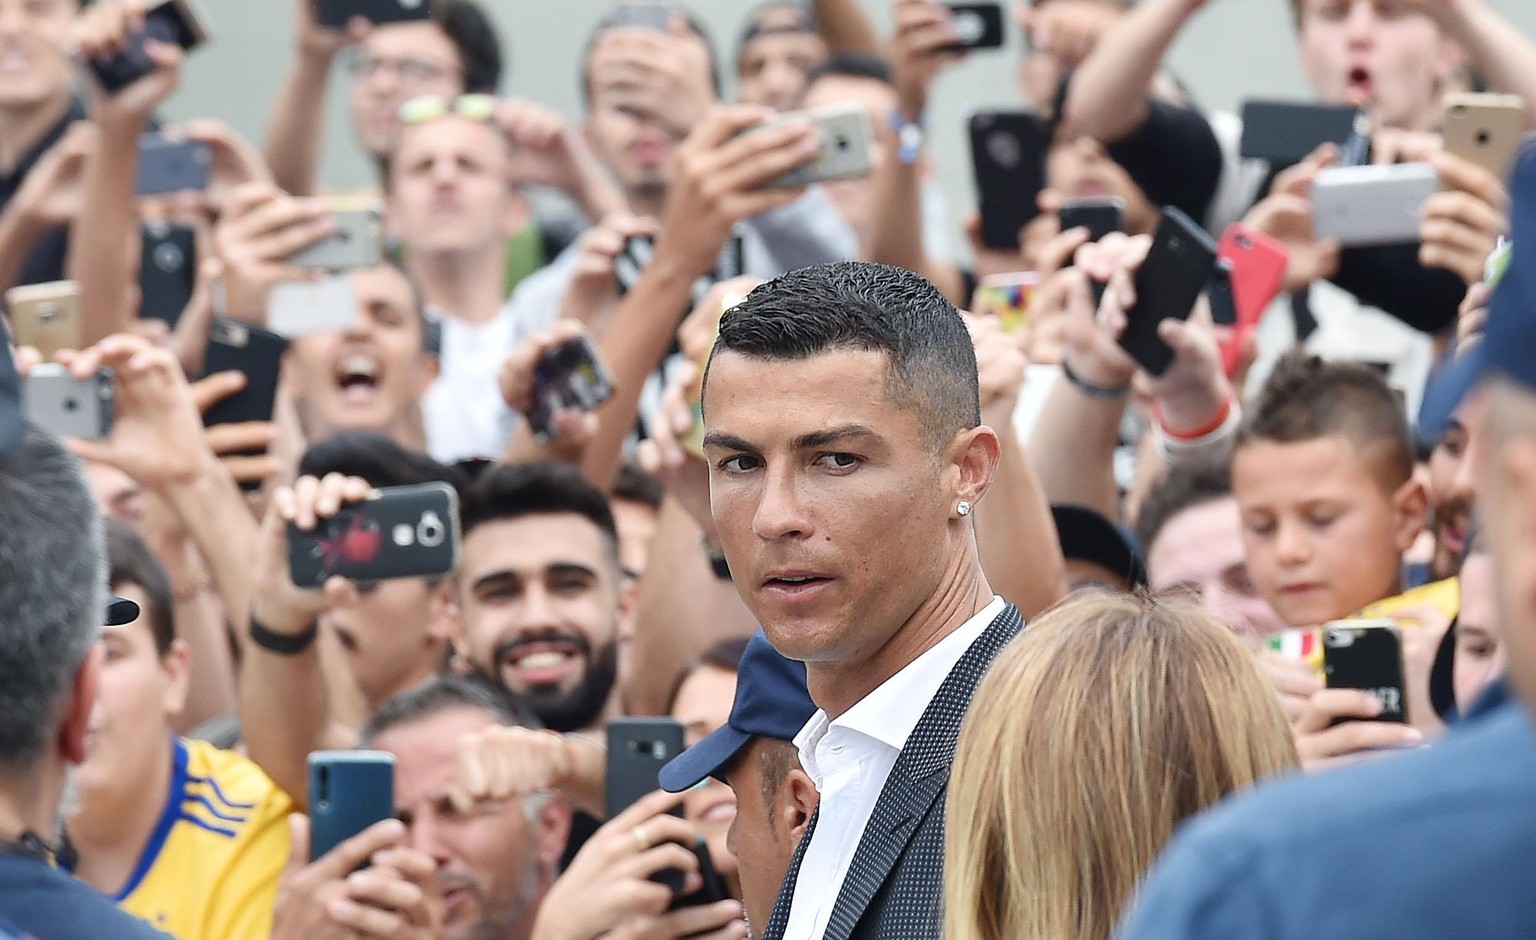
{"points": [[1361, 206], [167, 270], [46, 316], [1099, 216], [300, 308], [714, 888], [181, 22], [170, 166], [234, 346], [847, 144], [1485, 129], [637, 749], [1286, 132], [1007, 297], [1258, 265], [398, 532], [1177, 269], [1367, 654], [69, 407], [348, 792], [1219, 294], [1008, 151], [978, 25], [337, 13], [358, 242], [569, 377]]}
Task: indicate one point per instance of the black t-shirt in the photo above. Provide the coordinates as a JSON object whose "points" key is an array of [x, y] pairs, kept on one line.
{"points": [[1174, 157], [46, 262], [46, 904]]}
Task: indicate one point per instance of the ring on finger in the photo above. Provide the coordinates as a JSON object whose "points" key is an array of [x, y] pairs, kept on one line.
{"points": [[640, 837]]}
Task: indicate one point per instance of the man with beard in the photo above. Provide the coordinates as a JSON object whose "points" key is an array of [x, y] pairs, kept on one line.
{"points": [[543, 599]]}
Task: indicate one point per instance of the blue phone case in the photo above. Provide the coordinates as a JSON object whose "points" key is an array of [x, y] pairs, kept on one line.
{"points": [[348, 792]]}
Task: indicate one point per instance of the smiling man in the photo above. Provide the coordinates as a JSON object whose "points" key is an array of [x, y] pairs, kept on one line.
{"points": [[846, 453]]}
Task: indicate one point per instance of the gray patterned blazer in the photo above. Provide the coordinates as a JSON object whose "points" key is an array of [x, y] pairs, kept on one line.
{"points": [[895, 887]]}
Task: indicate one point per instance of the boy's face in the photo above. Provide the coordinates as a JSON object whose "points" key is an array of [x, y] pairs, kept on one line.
{"points": [[1384, 55], [1324, 536]]}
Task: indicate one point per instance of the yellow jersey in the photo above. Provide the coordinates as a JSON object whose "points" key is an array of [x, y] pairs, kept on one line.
{"points": [[211, 867]]}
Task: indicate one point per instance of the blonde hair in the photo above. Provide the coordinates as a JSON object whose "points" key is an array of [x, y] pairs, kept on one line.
{"points": [[1107, 722]]}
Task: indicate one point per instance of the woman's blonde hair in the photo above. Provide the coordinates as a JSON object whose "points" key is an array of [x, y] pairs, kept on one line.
{"points": [[1107, 722]]}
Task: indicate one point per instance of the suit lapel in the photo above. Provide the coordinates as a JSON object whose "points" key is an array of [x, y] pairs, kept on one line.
{"points": [[915, 782]]}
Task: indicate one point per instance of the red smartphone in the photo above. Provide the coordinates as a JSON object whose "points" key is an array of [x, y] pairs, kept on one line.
{"points": [[1257, 273]]}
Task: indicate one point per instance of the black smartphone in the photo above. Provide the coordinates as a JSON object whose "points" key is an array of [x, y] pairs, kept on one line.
{"points": [[637, 749], [167, 270], [348, 792], [398, 532], [1286, 132], [1100, 216], [171, 166], [181, 22], [1219, 294], [1008, 150], [1368, 655], [65, 406], [234, 346], [337, 13], [714, 888], [569, 377], [977, 25], [1178, 267]]}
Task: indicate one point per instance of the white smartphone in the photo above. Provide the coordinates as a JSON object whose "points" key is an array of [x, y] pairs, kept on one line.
{"points": [[300, 308], [69, 407], [847, 143], [1361, 206]]}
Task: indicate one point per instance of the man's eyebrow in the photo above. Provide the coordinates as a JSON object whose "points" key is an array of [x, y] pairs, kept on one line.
{"points": [[728, 442], [837, 435]]}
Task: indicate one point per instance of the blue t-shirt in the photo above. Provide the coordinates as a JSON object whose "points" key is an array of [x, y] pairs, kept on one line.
{"points": [[1434, 843], [38, 902]]}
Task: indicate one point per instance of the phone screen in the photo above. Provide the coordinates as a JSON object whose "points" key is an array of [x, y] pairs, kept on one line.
{"points": [[570, 377]]}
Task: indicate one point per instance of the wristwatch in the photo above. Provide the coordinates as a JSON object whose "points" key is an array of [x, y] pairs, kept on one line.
{"points": [[909, 137]]}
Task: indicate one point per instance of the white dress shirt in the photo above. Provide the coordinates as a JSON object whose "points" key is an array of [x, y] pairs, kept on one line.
{"points": [[849, 760]]}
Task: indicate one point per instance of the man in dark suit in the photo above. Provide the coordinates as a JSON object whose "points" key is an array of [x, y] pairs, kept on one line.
{"points": [[846, 454]]}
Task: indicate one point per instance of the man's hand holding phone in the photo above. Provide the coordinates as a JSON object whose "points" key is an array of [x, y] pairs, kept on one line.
{"points": [[1286, 216], [1321, 743], [1461, 225], [319, 42], [279, 605], [336, 898], [594, 289], [103, 32], [570, 430], [261, 228], [923, 46], [241, 447], [665, 74]]}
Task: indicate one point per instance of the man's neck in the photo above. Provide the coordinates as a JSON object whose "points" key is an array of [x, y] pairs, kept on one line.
{"points": [[964, 591], [112, 828], [22, 128], [31, 804], [469, 285]]}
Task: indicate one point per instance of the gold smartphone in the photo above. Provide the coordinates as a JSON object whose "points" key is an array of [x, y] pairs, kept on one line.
{"points": [[1485, 129], [46, 316]]}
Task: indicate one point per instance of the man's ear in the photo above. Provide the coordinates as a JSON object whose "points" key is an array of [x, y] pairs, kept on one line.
{"points": [[1410, 505], [972, 464], [552, 831], [798, 802], [77, 709], [443, 621], [177, 663]]}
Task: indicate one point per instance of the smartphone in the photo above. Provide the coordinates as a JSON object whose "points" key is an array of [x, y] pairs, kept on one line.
{"points": [[46, 316], [1372, 205], [647, 14], [337, 13], [397, 532], [1007, 297], [1008, 150], [637, 749], [977, 25], [570, 376], [847, 145], [181, 22], [171, 166], [1485, 129], [1177, 269], [1286, 132], [300, 308], [1257, 273], [58, 402], [256, 353], [348, 792], [1218, 294], [1100, 216], [1367, 654], [358, 241], [167, 270]]}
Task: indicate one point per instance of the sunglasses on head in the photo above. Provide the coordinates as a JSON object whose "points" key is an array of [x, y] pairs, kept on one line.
{"points": [[420, 110]]}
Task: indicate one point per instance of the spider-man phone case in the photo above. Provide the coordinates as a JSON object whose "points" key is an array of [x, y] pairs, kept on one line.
{"points": [[398, 532]]}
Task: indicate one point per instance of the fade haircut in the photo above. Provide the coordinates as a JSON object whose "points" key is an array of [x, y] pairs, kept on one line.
{"points": [[129, 561], [1187, 484], [474, 36], [447, 693], [1307, 398], [53, 591], [636, 486], [853, 65], [375, 458], [855, 305], [513, 491]]}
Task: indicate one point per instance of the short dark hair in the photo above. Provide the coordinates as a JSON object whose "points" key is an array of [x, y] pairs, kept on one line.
{"points": [[512, 491], [474, 36], [1306, 398], [447, 693], [854, 65], [755, 27], [376, 458], [695, 26], [1187, 484], [775, 760], [859, 305], [129, 561], [636, 486]]}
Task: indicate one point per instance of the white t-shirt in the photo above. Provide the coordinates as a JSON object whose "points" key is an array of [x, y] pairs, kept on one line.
{"points": [[464, 411]]}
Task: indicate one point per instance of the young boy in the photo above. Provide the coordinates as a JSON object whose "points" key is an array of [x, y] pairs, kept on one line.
{"points": [[1323, 474], [188, 837]]}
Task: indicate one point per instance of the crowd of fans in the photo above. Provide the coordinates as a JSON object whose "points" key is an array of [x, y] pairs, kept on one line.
{"points": [[962, 616]]}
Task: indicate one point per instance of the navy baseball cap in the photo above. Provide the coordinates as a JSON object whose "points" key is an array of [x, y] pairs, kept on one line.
{"points": [[121, 611], [771, 701], [1508, 344], [1087, 536]]}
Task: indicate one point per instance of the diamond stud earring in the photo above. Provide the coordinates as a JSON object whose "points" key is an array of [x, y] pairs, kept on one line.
{"points": [[964, 508]]}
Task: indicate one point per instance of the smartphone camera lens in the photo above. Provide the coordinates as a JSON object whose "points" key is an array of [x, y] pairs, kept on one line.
{"points": [[1004, 149], [323, 777], [48, 312], [430, 531], [842, 143], [1482, 138], [1244, 242]]}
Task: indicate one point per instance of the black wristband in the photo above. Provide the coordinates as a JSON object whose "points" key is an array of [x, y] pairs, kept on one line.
{"points": [[1091, 390], [284, 644]]}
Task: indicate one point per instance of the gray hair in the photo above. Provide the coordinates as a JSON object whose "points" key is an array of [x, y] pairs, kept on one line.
{"points": [[52, 591]]}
